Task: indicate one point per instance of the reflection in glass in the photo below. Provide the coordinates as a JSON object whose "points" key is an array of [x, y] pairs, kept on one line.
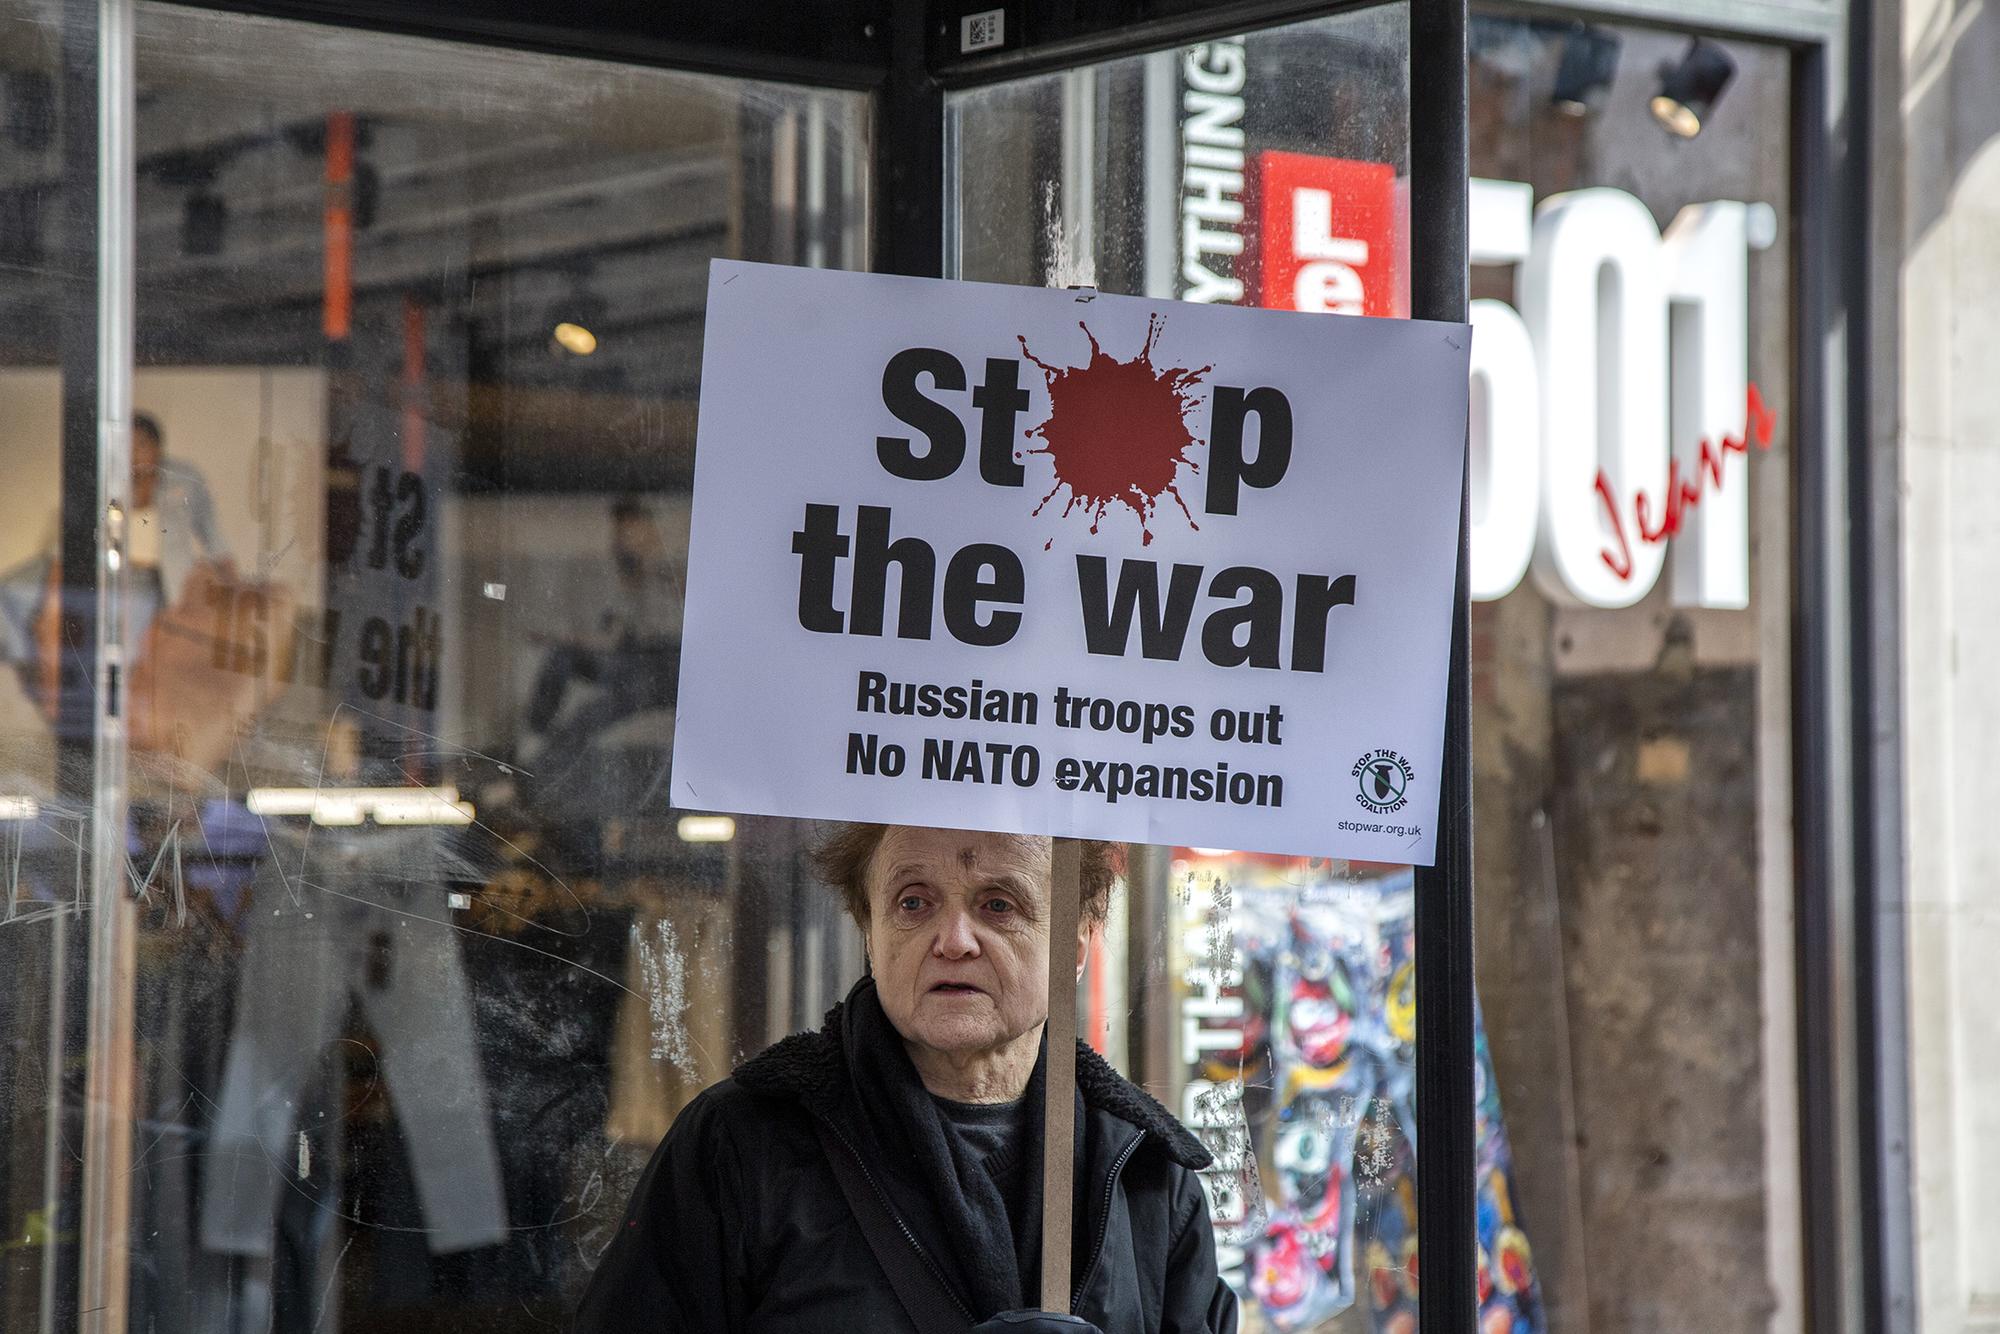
{"points": [[1271, 170], [426, 964], [1636, 1014], [1632, 762], [47, 634]]}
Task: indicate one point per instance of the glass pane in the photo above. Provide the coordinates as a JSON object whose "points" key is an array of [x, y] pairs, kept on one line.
{"points": [[1269, 1000], [426, 964], [1632, 762], [47, 344]]}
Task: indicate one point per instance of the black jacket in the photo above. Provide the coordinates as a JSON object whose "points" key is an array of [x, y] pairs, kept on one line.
{"points": [[738, 1224]]}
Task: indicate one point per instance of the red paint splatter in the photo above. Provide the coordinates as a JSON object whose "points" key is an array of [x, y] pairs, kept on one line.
{"points": [[1682, 496], [1117, 431]]}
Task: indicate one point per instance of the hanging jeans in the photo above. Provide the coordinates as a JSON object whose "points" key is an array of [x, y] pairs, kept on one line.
{"points": [[360, 913]]}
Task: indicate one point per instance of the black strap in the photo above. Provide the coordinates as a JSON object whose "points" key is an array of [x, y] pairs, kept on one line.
{"points": [[923, 1294]]}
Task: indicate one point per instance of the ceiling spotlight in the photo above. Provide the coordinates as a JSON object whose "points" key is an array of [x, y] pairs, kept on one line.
{"points": [[1589, 62], [576, 320], [1690, 89], [574, 339]]}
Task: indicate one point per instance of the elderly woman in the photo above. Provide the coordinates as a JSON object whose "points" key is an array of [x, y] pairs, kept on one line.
{"points": [[922, 1098]]}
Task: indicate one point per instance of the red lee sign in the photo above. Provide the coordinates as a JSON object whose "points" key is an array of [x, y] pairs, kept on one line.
{"points": [[1329, 235]]}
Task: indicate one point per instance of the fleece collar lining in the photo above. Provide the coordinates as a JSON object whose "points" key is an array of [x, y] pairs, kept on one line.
{"points": [[810, 1068]]}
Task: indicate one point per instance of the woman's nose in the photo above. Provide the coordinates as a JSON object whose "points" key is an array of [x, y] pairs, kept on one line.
{"points": [[956, 939]]}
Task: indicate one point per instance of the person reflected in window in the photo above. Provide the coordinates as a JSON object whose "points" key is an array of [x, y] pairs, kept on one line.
{"points": [[173, 514], [172, 525], [169, 533], [924, 1091], [629, 654]]}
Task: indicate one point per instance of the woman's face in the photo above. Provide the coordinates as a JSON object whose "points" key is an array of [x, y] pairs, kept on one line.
{"points": [[958, 933]]}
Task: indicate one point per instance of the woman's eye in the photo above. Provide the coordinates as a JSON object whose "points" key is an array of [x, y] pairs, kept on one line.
{"points": [[910, 903], [999, 906]]}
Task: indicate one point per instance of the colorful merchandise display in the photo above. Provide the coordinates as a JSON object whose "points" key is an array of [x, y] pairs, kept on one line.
{"points": [[1300, 1010]]}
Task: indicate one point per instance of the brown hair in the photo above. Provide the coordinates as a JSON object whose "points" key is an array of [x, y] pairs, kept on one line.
{"points": [[842, 860]]}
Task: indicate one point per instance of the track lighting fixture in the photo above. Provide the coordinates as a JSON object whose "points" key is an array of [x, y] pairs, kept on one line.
{"points": [[1690, 89]]}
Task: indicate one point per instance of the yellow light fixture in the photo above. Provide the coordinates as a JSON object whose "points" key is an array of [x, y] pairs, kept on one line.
{"points": [[706, 829], [1678, 118], [575, 339], [1691, 86], [339, 806]]}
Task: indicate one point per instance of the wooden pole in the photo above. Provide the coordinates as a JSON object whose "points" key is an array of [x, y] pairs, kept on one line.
{"points": [[1059, 1113]]}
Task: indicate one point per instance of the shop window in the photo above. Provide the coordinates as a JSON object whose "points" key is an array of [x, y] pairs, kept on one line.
{"points": [[1285, 1028], [425, 962], [1632, 717], [1631, 686]]}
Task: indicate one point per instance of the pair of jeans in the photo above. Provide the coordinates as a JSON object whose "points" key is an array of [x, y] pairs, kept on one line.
{"points": [[338, 915]]}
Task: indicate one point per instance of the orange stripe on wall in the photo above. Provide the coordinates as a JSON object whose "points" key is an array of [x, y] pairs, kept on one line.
{"points": [[337, 305], [415, 322]]}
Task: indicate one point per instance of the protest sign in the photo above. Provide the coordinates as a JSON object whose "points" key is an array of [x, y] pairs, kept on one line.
{"points": [[1065, 563]]}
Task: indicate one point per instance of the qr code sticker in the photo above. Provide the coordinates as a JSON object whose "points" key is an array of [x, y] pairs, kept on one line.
{"points": [[982, 31]]}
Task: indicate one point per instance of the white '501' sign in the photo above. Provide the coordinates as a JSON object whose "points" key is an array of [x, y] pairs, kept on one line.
{"points": [[1576, 420]]}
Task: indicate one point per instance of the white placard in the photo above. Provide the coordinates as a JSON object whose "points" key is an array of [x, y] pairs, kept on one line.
{"points": [[931, 517]]}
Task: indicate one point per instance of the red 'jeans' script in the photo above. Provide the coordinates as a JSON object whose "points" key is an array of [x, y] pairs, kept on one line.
{"points": [[1682, 494]]}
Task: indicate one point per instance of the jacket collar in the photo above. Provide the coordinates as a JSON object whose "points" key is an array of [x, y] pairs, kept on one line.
{"points": [[811, 1068]]}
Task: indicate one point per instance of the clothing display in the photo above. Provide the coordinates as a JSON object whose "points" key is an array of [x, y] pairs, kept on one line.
{"points": [[184, 1005], [543, 1028], [1328, 1027], [628, 651], [340, 915]]}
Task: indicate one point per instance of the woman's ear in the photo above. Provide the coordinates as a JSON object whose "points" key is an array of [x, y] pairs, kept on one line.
{"points": [[1087, 934]]}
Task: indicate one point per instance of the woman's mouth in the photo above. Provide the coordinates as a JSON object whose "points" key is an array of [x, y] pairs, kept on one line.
{"points": [[957, 989]]}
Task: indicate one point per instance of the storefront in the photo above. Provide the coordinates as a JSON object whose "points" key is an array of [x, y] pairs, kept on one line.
{"points": [[356, 958]]}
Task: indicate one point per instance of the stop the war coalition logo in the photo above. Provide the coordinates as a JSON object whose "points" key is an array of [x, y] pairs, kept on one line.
{"points": [[1383, 778], [1005, 558]]}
